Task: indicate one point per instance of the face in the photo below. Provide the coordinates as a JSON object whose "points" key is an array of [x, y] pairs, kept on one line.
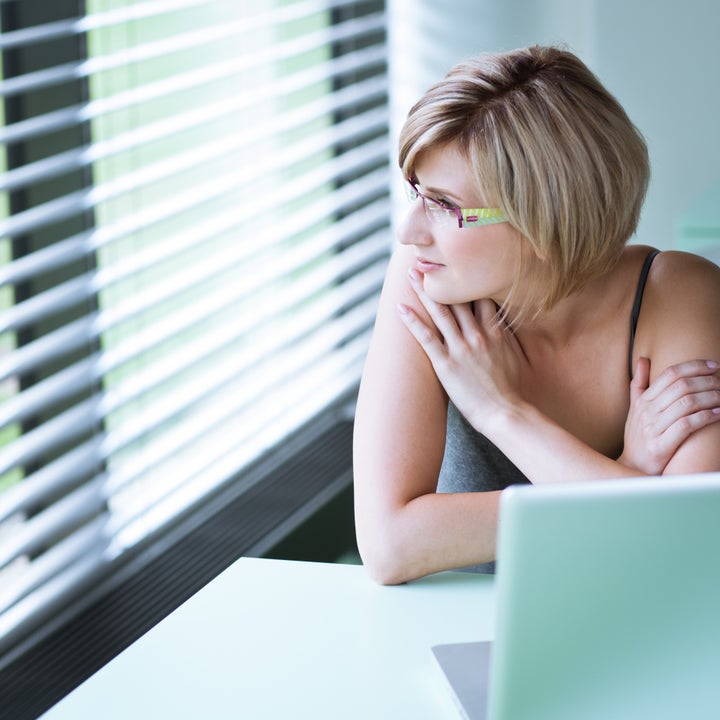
{"points": [[459, 264]]}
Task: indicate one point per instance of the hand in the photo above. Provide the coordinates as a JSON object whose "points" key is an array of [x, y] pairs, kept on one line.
{"points": [[683, 399], [475, 356]]}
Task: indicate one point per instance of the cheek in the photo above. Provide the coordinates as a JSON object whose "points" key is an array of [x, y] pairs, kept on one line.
{"points": [[476, 267], [478, 258]]}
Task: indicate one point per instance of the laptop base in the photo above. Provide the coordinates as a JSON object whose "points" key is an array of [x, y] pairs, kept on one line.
{"points": [[466, 667]]}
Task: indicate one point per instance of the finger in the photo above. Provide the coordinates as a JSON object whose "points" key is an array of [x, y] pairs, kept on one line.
{"points": [[690, 394], [430, 342], [496, 326], [486, 313], [689, 405], [641, 378], [676, 372], [679, 431], [466, 320], [441, 315]]}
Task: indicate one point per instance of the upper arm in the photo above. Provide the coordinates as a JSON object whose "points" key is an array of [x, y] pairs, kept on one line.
{"points": [[401, 413], [683, 317]]}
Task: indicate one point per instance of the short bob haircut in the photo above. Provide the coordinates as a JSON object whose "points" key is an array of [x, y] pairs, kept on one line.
{"points": [[551, 147]]}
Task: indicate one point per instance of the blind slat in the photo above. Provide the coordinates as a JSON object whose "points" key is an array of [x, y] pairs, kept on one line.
{"points": [[80, 25], [82, 504], [49, 564], [53, 480]]}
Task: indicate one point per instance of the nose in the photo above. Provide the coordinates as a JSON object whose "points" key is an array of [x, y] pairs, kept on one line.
{"points": [[414, 228]]}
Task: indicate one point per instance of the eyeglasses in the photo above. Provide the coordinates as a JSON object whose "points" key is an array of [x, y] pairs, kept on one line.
{"points": [[439, 213]]}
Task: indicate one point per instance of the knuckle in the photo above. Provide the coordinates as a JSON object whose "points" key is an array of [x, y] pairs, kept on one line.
{"points": [[475, 338], [684, 425], [688, 402], [683, 385], [464, 353], [425, 335], [655, 449]]}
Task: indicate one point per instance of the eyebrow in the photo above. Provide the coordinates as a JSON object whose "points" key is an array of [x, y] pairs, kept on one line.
{"points": [[440, 191]]}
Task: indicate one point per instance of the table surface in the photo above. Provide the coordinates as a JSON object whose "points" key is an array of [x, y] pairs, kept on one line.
{"points": [[285, 639]]}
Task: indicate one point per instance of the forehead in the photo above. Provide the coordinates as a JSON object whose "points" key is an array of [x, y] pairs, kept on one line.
{"points": [[445, 168]]}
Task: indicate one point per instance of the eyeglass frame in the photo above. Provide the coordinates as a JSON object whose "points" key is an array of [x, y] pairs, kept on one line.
{"points": [[466, 217]]}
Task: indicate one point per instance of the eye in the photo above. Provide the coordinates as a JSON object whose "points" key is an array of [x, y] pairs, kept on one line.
{"points": [[436, 206], [447, 204], [441, 202]]}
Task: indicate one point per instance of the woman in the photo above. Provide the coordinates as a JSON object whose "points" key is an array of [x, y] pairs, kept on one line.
{"points": [[503, 350]]}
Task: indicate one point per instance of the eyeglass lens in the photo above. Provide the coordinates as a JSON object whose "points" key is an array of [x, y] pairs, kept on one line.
{"points": [[435, 211]]}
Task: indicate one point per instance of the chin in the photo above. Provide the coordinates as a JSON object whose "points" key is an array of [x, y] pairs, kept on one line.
{"points": [[441, 293]]}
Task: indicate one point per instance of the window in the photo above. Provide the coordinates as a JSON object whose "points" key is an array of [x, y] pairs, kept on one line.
{"points": [[195, 226]]}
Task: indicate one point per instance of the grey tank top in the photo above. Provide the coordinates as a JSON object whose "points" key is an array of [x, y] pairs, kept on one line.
{"points": [[473, 464]]}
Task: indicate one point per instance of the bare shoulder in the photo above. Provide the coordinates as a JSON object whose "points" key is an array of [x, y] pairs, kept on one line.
{"points": [[684, 286], [683, 273], [396, 366], [680, 310]]}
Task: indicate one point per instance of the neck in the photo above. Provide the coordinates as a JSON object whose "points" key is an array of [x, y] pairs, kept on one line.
{"points": [[566, 320]]}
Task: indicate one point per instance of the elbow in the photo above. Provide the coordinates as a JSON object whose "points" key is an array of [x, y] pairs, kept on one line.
{"points": [[384, 560], [383, 572]]}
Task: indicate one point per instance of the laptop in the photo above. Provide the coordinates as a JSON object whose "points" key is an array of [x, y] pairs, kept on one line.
{"points": [[608, 605]]}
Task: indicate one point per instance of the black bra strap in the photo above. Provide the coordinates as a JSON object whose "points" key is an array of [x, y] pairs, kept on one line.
{"points": [[636, 305]]}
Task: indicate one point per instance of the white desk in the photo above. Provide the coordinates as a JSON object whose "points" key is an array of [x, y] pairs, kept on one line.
{"points": [[277, 639]]}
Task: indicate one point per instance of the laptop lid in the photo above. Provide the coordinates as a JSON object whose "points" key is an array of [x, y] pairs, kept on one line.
{"points": [[608, 597]]}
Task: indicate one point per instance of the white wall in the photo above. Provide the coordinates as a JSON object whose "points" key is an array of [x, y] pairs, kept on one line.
{"points": [[659, 58]]}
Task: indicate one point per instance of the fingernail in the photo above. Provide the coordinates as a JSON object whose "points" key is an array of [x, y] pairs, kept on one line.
{"points": [[414, 274], [402, 309], [712, 364]]}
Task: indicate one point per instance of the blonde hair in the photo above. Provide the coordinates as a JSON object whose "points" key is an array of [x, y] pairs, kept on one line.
{"points": [[551, 147]]}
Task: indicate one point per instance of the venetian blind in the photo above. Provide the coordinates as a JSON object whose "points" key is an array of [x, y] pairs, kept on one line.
{"points": [[195, 223]]}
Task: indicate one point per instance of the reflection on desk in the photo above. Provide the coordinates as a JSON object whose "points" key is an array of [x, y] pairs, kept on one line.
{"points": [[281, 639]]}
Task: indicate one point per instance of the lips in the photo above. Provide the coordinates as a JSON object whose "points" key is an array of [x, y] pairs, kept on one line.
{"points": [[425, 266]]}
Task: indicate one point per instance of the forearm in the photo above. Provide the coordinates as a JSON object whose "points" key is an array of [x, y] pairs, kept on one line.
{"points": [[430, 533], [547, 453]]}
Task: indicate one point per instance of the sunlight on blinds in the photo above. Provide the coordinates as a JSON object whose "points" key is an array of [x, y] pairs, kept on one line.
{"points": [[207, 282]]}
